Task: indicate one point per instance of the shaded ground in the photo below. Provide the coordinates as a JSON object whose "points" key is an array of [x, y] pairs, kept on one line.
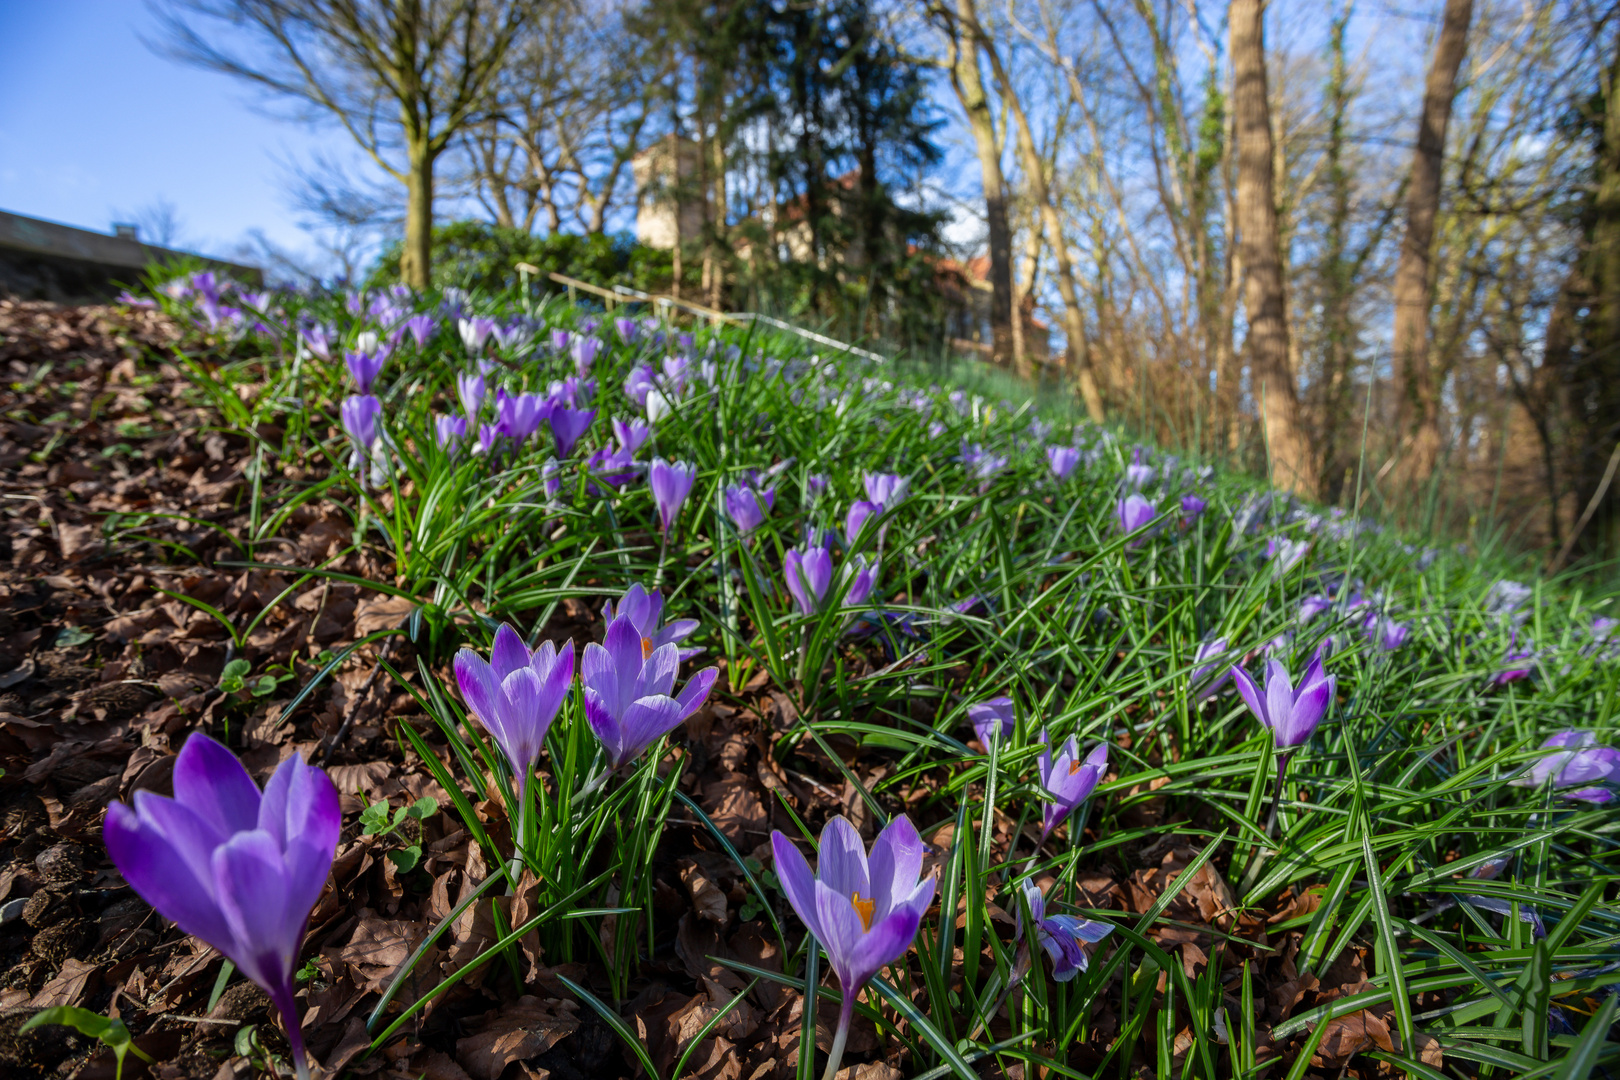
{"points": [[119, 498]]}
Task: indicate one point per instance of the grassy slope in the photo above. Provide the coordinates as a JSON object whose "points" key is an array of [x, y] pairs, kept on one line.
{"points": [[1403, 789]]}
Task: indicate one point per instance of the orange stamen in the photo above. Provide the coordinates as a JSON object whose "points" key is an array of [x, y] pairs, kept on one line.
{"points": [[646, 647], [1074, 766], [863, 908]]}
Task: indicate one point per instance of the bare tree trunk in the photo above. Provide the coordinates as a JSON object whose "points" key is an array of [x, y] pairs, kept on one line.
{"points": [[967, 79], [1418, 408], [1074, 324], [1293, 466], [417, 255], [1023, 285]]}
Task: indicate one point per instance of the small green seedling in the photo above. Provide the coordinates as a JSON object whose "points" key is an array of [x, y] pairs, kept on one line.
{"points": [[235, 679], [112, 1033], [374, 821]]}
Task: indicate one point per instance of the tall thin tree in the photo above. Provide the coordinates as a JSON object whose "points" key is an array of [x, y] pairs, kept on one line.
{"points": [[1418, 410], [1293, 465]]}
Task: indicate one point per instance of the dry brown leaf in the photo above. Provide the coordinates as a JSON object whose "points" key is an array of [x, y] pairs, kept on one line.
{"points": [[1350, 1035], [520, 1029]]}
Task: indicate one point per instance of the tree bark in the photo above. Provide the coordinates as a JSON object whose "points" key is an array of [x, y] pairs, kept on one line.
{"points": [[1418, 407], [1293, 466], [967, 79], [416, 258]]}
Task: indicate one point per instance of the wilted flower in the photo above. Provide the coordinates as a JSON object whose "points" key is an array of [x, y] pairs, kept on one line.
{"points": [[1068, 780], [747, 507], [1133, 513], [992, 719], [238, 869], [1061, 935], [1291, 714], [627, 691], [450, 430], [645, 610], [671, 483], [1575, 758], [516, 695], [864, 911], [567, 425], [1063, 460]]}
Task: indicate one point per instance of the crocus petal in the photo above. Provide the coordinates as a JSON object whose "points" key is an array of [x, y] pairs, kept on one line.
{"points": [[842, 866], [895, 864], [889, 938], [250, 880], [164, 878], [480, 687], [509, 653], [1251, 695], [655, 676], [646, 721], [798, 883], [696, 691], [604, 725], [209, 779]]}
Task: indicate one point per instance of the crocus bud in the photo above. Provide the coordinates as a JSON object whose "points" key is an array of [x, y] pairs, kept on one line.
{"points": [[671, 483]]}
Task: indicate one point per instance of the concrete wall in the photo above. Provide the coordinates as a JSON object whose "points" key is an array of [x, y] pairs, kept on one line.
{"points": [[42, 260]]}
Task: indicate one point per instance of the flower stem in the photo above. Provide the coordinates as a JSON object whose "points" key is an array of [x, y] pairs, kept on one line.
{"points": [[1276, 794], [846, 1015], [517, 840]]}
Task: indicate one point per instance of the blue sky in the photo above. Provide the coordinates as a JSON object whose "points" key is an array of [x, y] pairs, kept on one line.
{"points": [[95, 125]]}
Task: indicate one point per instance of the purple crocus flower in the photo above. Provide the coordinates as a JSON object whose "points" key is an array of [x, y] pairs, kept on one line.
{"points": [[470, 389], [1385, 632], [516, 695], [318, 339], [487, 434], [1285, 553], [475, 332], [567, 425], [992, 719], [450, 430], [360, 413], [1063, 460], [859, 512], [559, 339], [631, 434], [1209, 654], [583, 350], [627, 328], [1061, 935], [639, 384], [808, 574], [1575, 758], [671, 483], [1068, 780], [1291, 714], [1138, 475], [815, 485], [233, 867], [364, 367], [645, 611], [1517, 664], [1312, 606], [520, 416], [863, 910], [1135, 512], [421, 328], [747, 506], [886, 489], [1191, 507], [628, 684]]}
